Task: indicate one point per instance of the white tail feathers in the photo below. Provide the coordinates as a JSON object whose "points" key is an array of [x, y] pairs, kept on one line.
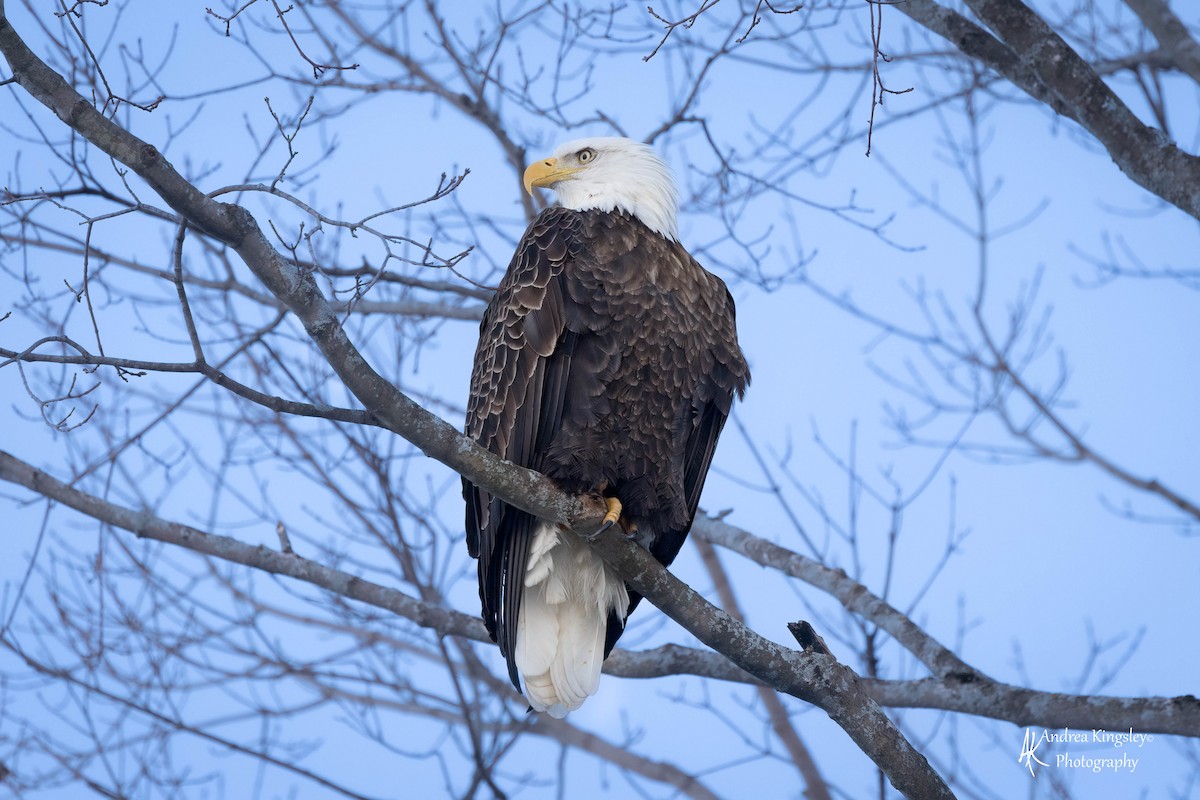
{"points": [[569, 592]]}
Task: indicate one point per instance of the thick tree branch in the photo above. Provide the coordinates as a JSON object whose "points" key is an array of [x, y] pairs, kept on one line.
{"points": [[1037, 60], [1143, 153], [146, 525], [850, 593], [1171, 33], [1020, 706]]}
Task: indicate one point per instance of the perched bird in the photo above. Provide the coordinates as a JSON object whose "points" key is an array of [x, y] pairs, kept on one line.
{"points": [[607, 360]]}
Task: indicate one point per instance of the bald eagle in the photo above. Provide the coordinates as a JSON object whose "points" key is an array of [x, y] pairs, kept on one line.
{"points": [[607, 360]]}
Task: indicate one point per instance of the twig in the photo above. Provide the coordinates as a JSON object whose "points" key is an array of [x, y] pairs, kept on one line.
{"points": [[229, 20], [316, 68], [878, 90]]}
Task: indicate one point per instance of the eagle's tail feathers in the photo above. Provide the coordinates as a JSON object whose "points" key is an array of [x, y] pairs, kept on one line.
{"points": [[563, 623]]}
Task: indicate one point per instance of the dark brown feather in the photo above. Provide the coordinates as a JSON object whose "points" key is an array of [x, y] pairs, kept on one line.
{"points": [[608, 360]]}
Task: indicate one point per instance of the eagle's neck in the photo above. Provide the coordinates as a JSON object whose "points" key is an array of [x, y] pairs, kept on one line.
{"points": [[647, 194]]}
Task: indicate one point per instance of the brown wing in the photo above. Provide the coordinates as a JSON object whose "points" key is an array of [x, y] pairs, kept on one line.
{"points": [[725, 375], [518, 384]]}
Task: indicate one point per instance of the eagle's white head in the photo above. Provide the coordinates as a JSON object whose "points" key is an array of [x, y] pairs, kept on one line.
{"points": [[611, 174]]}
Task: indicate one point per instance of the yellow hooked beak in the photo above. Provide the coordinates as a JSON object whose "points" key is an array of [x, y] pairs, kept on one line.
{"points": [[546, 173]]}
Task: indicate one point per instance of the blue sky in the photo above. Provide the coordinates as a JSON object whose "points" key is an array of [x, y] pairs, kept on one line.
{"points": [[1045, 561]]}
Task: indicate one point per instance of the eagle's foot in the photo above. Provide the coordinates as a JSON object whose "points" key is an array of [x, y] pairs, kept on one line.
{"points": [[610, 518]]}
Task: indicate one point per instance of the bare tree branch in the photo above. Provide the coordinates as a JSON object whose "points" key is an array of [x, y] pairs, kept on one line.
{"points": [[1178, 45], [1039, 62]]}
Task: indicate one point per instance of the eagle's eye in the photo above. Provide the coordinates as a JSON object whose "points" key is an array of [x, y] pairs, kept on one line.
{"points": [[585, 155]]}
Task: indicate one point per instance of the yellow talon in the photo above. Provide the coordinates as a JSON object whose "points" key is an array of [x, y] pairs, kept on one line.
{"points": [[614, 514]]}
